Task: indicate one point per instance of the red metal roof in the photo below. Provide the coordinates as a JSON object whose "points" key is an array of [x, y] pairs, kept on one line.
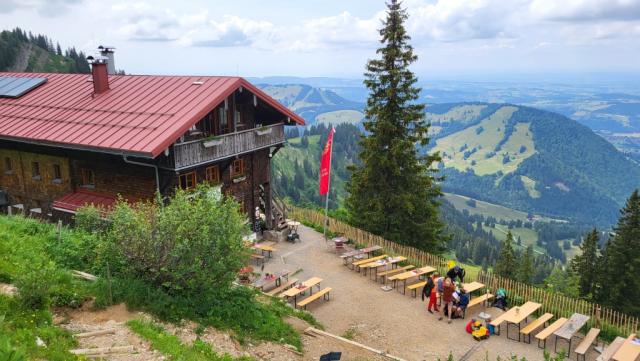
{"points": [[140, 114], [73, 201]]}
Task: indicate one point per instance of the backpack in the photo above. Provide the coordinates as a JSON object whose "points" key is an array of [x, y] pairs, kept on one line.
{"points": [[440, 285], [501, 293]]}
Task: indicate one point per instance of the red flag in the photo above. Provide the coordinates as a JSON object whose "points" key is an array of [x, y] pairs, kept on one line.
{"points": [[325, 165]]}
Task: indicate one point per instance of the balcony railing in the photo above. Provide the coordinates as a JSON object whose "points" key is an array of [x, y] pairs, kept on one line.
{"points": [[201, 151]]}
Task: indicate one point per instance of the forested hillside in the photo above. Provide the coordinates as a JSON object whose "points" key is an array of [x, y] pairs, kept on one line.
{"points": [[22, 51], [531, 160]]}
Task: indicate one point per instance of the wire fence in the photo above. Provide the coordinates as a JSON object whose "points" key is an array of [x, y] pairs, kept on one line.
{"points": [[612, 323]]}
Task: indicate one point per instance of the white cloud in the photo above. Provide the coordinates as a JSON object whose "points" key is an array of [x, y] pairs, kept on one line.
{"points": [[583, 10], [495, 22], [47, 8]]}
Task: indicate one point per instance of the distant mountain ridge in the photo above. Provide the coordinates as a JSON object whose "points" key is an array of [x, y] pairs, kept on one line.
{"points": [[315, 104], [532, 160]]}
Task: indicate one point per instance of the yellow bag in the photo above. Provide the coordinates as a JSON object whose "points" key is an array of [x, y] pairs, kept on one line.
{"points": [[451, 264]]}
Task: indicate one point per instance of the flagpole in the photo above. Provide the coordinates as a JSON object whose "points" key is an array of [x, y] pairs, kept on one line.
{"points": [[326, 207]]}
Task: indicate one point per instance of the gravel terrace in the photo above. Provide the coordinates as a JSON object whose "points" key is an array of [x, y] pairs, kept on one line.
{"points": [[390, 321]]}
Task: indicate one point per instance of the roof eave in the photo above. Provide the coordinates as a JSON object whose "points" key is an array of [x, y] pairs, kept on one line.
{"points": [[78, 147]]}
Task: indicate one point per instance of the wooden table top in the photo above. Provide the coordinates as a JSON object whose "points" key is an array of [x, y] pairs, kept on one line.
{"points": [[629, 351], [573, 325], [413, 273], [613, 347], [360, 251], [384, 262], [265, 281], [294, 291], [521, 313], [368, 260], [473, 286], [264, 247]]}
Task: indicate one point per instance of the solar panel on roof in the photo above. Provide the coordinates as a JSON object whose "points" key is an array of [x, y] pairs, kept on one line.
{"points": [[14, 87]]}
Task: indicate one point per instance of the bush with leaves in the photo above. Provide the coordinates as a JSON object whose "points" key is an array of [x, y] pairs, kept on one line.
{"points": [[191, 245]]}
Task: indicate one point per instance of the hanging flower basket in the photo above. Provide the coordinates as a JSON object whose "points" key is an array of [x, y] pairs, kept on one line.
{"points": [[264, 130], [240, 179], [212, 142]]}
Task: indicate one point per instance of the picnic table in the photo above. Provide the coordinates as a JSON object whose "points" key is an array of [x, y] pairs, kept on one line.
{"points": [[264, 248], [517, 314], [267, 280], [566, 331], [630, 349], [358, 252], [410, 274], [375, 265], [473, 286], [306, 285]]}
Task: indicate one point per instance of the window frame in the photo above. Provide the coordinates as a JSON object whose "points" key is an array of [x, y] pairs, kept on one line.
{"points": [[8, 165], [35, 171], [209, 171], [192, 176], [85, 174], [242, 172], [57, 173]]}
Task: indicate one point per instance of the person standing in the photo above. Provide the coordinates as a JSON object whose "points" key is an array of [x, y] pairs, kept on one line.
{"points": [[429, 291], [447, 298], [433, 296]]}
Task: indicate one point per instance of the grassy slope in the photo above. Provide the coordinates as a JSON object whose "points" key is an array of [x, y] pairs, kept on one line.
{"points": [[484, 137], [340, 116], [489, 209]]}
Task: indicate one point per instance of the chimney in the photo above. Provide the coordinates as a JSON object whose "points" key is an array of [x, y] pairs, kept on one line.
{"points": [[99, 73], [107, 51]]}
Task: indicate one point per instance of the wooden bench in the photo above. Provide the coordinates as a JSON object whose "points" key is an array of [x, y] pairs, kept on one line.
{"points": [[257, 257], [544, 334], [533, 325], [613, 347], [356, 265], [322, 293], [480, 299], [384, 274], [498, 321], [583, 347], [476, 301], [283, 287], [414, 287]]}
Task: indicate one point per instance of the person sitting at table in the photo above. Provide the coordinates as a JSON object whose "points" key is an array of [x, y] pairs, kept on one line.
{"points": [[447, 297], [461, 305], [456, 272]]}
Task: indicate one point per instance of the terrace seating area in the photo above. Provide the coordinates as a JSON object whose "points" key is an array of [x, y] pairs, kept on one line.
{"points": [[387, 272]]}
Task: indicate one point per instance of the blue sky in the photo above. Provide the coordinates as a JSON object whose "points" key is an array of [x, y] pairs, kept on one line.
{"points": [[453, 38]]}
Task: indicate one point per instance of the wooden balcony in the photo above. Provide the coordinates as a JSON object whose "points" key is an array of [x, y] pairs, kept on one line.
{"points": [[201, 151]]}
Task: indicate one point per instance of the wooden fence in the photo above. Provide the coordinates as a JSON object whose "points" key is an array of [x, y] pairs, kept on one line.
{"points": [[612, 323]]}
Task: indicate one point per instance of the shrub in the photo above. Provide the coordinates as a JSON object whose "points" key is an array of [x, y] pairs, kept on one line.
{"points": [[34, 283], [192, 245]]}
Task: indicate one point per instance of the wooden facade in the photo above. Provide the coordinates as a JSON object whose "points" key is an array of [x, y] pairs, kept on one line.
{"points": [[231, 146]]}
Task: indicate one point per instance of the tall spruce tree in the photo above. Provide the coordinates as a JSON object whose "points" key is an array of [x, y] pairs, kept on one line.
{"points": [[507, 263], [394, 192], [525, 271], [585, 265], [621, 286]]}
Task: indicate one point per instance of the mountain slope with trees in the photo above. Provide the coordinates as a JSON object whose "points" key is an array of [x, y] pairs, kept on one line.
{"points": [[532, 160], [22, 51]]}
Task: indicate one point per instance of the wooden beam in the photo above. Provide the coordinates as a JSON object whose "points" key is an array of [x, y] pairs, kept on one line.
{"points": [[353, 343], [94, 333], [103, 350]]}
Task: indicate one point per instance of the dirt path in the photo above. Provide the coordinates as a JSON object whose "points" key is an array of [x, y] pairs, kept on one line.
{"points": [[115, 317], [387, 321]]}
